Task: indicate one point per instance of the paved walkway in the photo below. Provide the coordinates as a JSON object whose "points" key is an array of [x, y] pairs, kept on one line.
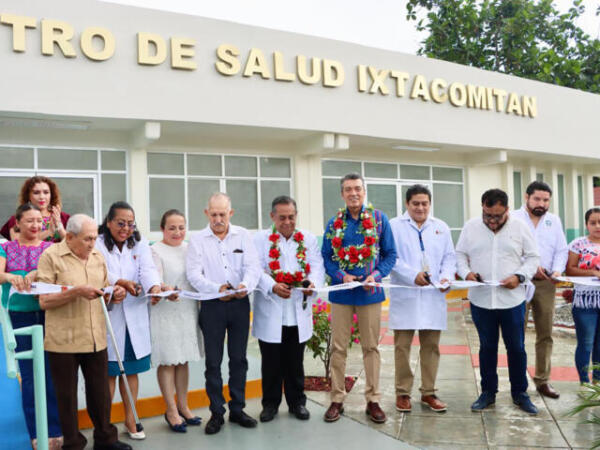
{"points": [[502, 426]]}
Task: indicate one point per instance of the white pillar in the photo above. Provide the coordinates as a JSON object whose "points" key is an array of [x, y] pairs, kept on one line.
{"points": [[308, 192], [138, 188], [553, 182]]}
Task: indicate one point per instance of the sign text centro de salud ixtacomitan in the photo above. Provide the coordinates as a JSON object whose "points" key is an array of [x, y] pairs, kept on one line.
{"points": [[99, 44]]}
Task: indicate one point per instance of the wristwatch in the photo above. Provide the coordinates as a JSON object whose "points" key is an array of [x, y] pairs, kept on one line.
{"points": [[520, 277]]}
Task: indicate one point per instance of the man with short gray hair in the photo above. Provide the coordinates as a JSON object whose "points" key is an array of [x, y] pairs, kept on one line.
{"points": [[76, 331], [222, 257]]}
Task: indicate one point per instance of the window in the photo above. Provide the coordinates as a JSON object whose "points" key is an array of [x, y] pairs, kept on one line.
{"points": [[517, 189], [186, 181], [387, 183], [89, 180], [539, 176]]}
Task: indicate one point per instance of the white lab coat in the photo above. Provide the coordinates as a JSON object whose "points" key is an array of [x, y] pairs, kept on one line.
{"points": [[420, 309], [135, 264], [269, 307]]}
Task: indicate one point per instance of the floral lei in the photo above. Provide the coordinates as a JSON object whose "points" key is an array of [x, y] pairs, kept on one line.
{"points": [[354, 255], [291, 278]]}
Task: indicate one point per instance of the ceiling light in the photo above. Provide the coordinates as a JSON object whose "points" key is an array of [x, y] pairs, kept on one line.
{"points": [[44, 123], [415, 149]]}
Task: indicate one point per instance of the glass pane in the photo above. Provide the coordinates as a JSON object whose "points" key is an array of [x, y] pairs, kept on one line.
{"points": [[275, 167], [539, 176], [244, 200], [332, 199], [240, 166], [448, 204], [383, 197], [339, 168], [455, 236], [415, 172], [268, 191], [165, 194], [379, 170], [57, 158], [204, 165], [77, 195], [113, 160], [165, 163], [16, 158], [517, 190], [9, 196], [447, 174], [198, 193], [114, 189]]}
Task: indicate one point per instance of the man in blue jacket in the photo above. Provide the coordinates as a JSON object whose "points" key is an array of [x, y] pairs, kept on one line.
{"points": [[358, 246]]}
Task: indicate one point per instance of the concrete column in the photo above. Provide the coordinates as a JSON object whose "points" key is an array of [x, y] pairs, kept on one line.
{"points": [[529, 175], [553, 182], [571, 204], [588, 189], [507, 183], [308, 192], [138, 188]]}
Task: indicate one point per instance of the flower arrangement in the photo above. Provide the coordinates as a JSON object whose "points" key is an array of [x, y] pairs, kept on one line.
{"points": [[320, 342], [291, 278]]}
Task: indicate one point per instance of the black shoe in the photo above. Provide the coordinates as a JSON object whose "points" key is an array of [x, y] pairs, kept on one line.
{"points": [[300, 412], [214, 424], [485, 399], [523, 401], [195, 421], [177, 428], [243, 419], [118, 445], [268, 413]]}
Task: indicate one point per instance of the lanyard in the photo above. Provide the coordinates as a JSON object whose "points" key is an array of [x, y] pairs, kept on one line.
{"points": [[424, 260]]}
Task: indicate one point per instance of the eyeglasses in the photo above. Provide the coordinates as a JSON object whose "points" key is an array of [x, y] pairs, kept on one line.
{"points": [[131, 226], [493, 217]]}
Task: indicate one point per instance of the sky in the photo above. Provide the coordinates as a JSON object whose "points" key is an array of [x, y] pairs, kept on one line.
{"points": [[376, 23]]}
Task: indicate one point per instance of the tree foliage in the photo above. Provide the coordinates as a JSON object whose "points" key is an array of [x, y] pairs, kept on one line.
{"points": [[526, 38]]}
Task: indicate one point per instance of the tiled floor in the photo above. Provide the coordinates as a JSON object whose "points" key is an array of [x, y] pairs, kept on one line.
{"points": [[501, 426]]}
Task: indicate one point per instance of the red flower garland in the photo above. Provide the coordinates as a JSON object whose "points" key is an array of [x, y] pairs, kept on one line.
{"points": [[353, 255], [291, 278]]}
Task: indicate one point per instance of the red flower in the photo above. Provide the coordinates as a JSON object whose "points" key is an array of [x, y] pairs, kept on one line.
{"points": [[338, 223], [288, 278], [298, 237], [274, 265], [279, 277], [353, 251], [341, 253], [353, 259], [274, 253], [336, 242], [367, 223], [274, 237], [369, 240], [299, 276], [307, 268], [365, 252]]}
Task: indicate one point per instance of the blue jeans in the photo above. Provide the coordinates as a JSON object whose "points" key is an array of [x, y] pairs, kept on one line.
{"points": [[587, 328], [511, 322], [25, 319]]}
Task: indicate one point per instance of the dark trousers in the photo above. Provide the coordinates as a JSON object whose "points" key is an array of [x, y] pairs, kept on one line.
{"points": [[283, 364], [217, 318], [25, 319], [94, 367], [511, 322]]}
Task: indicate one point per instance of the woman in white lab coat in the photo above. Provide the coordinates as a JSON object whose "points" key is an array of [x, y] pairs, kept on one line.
{"points": [[129, 261]]}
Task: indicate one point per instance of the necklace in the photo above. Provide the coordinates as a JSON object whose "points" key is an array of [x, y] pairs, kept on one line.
{"points": [[291, 278], [353, 256]]}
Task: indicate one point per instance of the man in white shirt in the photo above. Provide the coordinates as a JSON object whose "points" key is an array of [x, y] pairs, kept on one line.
{"points": [[222, 257], [282, 319], [425, 256], [497, 248], [548, 233]]}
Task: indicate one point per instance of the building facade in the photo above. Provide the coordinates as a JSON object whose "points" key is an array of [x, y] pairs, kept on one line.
{"points": [[162, 109]]}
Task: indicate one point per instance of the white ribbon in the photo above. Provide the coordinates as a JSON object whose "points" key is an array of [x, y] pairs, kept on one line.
{"points": [[582, 281], [39, 288]]}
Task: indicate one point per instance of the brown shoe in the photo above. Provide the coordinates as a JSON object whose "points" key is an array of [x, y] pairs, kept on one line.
{"points": [[375, 412], [548, 391], [403, 403], [434, 403], [334, 412]]}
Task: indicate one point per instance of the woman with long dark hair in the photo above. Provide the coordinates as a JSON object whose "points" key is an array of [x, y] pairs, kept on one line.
{"points": [[18, 268], [130, 265]]}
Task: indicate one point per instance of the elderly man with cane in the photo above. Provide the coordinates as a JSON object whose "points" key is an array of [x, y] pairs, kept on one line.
{"points": [[76, 331]]}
